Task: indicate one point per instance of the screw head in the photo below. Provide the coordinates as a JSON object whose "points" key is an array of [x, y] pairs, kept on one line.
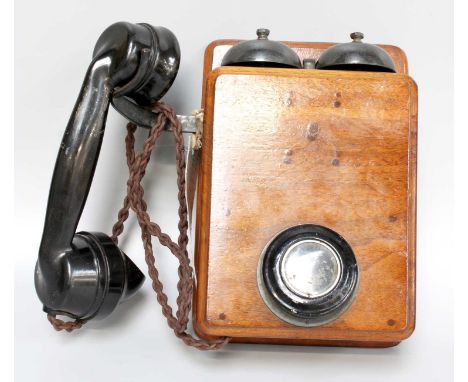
{"points": [[357, 36], [263, 33]]}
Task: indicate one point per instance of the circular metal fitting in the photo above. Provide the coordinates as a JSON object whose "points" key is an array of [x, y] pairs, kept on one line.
{"points": [[307, 275], [356, 55], [310, 268], [262, 52]]}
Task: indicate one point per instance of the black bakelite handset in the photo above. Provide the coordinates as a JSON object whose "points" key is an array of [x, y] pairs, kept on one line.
{"points": [[85, 275]]}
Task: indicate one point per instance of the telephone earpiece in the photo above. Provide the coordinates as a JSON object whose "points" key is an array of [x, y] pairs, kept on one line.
{"points": [[85, 275]]}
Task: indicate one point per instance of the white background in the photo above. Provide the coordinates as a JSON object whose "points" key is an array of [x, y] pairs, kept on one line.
{"points": [[54, 42]]}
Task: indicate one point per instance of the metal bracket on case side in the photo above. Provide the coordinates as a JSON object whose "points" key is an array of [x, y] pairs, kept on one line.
{"points": [[192, 124]]}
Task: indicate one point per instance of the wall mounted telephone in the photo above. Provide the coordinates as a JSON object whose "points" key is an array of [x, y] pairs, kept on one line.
{"points": [[305, 156]]}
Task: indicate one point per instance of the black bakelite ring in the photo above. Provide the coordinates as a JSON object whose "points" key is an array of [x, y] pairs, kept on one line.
{"points": [[288, 304]]}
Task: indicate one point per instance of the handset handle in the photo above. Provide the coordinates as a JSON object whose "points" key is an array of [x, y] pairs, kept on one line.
{"points": [[77, 158], [84, 275]]}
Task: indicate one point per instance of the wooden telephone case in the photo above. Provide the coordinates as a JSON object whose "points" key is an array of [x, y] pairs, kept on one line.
{"points": [[283, 147]]}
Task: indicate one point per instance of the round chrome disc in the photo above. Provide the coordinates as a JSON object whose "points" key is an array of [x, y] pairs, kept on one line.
{"points": [[310, 268]]}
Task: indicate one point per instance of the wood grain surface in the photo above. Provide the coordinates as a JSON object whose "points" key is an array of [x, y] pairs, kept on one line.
{"points": [[284, 147]]}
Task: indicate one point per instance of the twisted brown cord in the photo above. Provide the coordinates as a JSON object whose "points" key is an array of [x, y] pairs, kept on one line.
{"points": [[134, 200]]}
